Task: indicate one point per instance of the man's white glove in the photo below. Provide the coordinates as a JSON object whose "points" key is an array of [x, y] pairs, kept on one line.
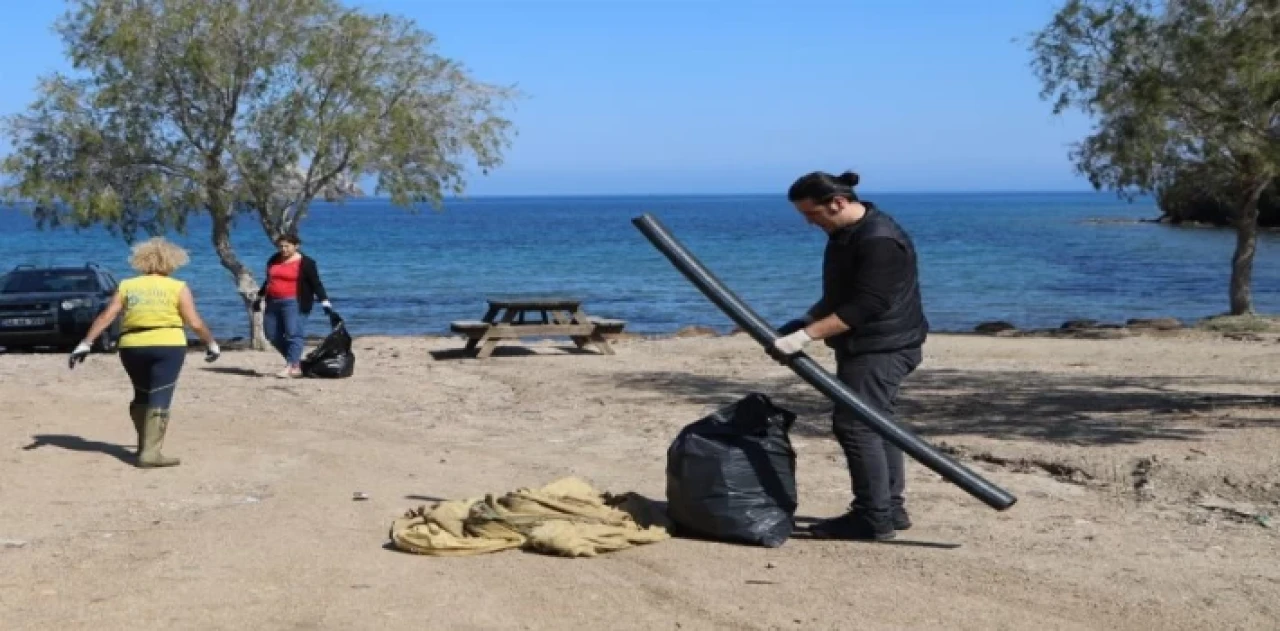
{"points": [[326, 305], [212, 353], [78, 355], [792, 343]]}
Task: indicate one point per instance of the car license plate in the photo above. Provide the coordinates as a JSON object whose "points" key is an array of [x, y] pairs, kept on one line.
{"points": [[24, 322]]}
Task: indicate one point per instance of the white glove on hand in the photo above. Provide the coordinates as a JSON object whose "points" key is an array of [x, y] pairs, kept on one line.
{"points": [[78, 355], [212, 353], [327, 305], [793, 343]]}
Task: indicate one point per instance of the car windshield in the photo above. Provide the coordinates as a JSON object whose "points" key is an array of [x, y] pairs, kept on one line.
{"points": [[47, 282]]}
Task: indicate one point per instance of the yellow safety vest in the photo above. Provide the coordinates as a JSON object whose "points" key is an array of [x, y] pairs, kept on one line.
{"points": [[151, 316]]}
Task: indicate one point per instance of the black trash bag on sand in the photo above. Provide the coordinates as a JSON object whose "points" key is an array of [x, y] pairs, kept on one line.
{"points": [[731, 475], [333, 358]]}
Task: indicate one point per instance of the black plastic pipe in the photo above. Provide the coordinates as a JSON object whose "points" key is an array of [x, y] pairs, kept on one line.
{"points": [[813, 372]]}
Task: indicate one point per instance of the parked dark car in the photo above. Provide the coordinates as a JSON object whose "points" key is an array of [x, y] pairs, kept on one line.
{"points": [[54, 307]]}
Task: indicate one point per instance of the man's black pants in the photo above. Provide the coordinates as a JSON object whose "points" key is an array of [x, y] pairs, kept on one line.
{"points": [[876, 465]]}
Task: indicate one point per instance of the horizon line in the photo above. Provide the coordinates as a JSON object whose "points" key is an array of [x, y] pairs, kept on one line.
{"points": [[763, 194], [866, 195]]}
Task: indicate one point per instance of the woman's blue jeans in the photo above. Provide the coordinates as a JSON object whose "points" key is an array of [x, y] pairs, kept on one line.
{"points": [[285, 328]]}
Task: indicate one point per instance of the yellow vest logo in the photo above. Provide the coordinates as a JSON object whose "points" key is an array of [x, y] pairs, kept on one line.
{"points": [[149, 297]]}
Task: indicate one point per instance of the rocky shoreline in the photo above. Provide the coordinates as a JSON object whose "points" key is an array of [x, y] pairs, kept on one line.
{"points": [[1239, 328], [1084, 328], [1173, 222]]}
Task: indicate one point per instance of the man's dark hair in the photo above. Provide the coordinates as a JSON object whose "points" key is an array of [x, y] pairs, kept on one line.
{"points": [[820, 187]]}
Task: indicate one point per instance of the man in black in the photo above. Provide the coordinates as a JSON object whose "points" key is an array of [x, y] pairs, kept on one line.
{"points": [[871, 315]]}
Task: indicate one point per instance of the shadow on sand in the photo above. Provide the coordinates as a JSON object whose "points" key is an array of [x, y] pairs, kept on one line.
{"points": [[232, 370], [513, 351], [1080, 410], [76, 443]]}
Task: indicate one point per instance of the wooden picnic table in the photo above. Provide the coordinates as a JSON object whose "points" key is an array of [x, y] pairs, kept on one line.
{"points": [[508, 318]]}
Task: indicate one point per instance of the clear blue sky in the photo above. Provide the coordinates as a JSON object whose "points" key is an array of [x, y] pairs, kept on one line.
{"points": [[712, 96]]}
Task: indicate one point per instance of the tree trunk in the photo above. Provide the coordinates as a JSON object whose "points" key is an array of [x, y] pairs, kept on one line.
{"points": [[257, 336], [1246, 221], [246, 286]]}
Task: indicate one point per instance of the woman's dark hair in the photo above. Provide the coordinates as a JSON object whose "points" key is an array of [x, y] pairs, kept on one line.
{"points": [[822, 187], [289, 238]]}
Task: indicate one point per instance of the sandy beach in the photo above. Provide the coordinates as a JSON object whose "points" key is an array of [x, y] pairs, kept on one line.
{"points": [[1147, 470]]}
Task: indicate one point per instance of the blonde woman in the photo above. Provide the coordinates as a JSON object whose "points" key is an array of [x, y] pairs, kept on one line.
{"points": [[153, 342]]}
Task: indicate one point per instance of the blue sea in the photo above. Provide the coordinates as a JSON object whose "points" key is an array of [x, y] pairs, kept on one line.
{"points": [[1033, 259]]}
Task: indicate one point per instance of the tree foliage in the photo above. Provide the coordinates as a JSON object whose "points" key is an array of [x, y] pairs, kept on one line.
{"points": [[1174, 86], [1185, 200], [226, 107]]}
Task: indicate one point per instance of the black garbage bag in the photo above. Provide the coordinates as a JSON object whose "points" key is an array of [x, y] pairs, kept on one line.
{"points": [[333, 358], [731, 475]]}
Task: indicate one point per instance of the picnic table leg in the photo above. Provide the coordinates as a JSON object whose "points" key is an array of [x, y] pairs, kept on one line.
{"points": [[596, 337], [488, 317], [490, 342], [567, 317]]}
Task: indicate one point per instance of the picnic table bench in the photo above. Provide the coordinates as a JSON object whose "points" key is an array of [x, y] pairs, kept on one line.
{"points": [[556, 316]]}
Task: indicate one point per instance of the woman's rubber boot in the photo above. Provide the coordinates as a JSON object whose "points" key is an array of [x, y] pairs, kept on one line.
{"points": [[153, 429], [139, 415]]}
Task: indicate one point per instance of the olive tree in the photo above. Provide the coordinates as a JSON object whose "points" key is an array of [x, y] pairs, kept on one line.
{"points": [[1174, 86], [251, 108]]}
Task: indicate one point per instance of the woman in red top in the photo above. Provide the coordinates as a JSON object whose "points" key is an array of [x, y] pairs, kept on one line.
{"points": [[292, 284]]}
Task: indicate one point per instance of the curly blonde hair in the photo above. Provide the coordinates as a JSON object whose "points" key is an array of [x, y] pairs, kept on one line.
{"points": [[158, 256]]}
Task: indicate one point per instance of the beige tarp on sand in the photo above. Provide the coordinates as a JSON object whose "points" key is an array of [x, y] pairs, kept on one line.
{"points": [[567, 518]]}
